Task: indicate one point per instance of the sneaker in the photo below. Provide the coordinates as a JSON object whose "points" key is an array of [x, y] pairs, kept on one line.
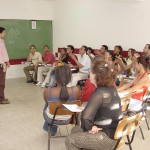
{"points": [[43, 85], [39, 83], [47, 85]]}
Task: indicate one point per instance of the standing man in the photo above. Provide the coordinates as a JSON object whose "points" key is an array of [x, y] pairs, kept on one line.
{"points": [[35, 58], [4, 64]]}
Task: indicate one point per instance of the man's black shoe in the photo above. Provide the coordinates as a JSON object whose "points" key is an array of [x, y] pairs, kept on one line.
{"points": [[29, 81], [35, 82]]}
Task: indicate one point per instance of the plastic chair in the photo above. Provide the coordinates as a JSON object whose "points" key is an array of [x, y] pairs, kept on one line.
{"points": [[126, 127], [56, 108], [143, 109]]}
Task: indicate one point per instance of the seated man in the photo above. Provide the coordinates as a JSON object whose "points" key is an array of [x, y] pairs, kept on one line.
{"points": [[102, 51], [35, 58], [83, 63], [48, 59], [62, 60]]}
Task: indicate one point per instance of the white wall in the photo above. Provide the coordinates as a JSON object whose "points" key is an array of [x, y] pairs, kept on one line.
{"points": [[97, 22], [15, 71], [26, 9]]}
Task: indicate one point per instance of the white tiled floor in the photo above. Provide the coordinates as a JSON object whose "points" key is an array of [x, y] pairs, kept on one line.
{"points": [[21, 121]]}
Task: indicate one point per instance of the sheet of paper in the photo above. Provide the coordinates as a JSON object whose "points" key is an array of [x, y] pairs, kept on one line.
{"points": [[72, 107], [123, 94]]}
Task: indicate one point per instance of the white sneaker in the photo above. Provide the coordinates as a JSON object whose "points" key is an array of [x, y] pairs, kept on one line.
{"points": [[43, 85], [39, 83]]}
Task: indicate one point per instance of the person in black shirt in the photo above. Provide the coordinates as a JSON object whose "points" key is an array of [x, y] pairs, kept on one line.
{"points": [[101, 115], [63, 56]]}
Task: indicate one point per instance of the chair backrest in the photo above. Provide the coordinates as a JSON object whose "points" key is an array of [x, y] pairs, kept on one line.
{"points": [[62, 110], [125, 104], [127, 125], [146, 95]]}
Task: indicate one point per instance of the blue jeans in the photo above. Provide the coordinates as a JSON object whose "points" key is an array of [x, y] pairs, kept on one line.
{"points": [[53, 129]]}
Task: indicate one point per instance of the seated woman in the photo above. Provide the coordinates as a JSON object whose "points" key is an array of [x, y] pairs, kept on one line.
{"points": [[63, 58], [142, 67], [59, 93], [101, 115], [138, 87]]}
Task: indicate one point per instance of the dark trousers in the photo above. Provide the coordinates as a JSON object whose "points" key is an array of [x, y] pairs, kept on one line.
{"points": [[27, 73], [2, 83]]}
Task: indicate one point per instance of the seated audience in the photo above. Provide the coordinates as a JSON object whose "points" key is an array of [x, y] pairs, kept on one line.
{"points": [[101, 115], [59, 93], [35, 58], [83, 63], [48, 59]]}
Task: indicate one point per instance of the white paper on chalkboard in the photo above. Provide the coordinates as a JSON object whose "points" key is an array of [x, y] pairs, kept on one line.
{"points": [[33, 24]]}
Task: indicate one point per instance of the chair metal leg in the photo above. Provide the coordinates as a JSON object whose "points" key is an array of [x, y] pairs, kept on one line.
{"points": [[147, 122], [59, 131], [141, 132], [129, 142], [116, 145], [49, 136], [67, 130]]}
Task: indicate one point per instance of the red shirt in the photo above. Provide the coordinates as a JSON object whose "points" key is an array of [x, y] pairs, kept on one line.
{"points": [[139, 95], [48, 56], [88, 89], [71, 61]]}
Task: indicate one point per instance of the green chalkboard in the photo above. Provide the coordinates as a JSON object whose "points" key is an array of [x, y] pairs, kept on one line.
{"points": [[20, 35]]}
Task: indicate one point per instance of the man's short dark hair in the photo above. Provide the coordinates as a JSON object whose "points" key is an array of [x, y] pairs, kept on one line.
{"points": [[46, 46], [2, 29], [148, 46], [89, 48], [85, 47], [33, 46], [71, 47], [106, 47]]}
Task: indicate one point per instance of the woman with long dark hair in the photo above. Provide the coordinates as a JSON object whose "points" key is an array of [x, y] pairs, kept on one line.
{"points": [[60, 93]]}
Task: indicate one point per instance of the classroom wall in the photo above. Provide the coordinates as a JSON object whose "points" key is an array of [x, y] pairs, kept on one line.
{"points": [[97, 22], [26, 9]]}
